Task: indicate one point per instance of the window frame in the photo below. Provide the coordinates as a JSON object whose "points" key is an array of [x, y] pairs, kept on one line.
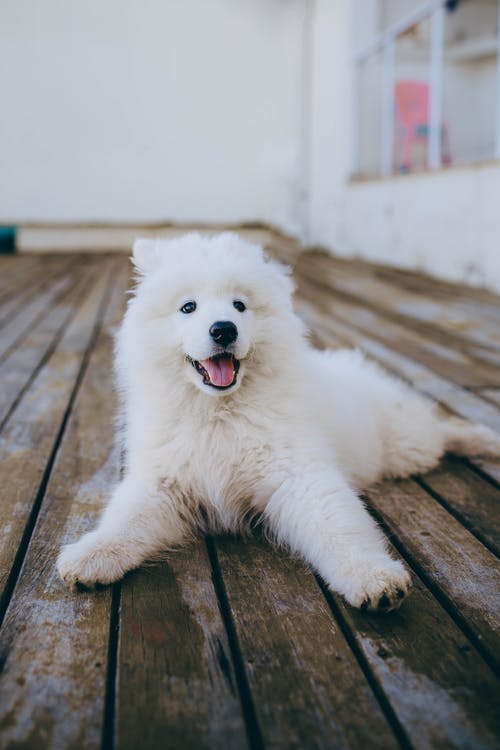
{"points": [[384, 43]]}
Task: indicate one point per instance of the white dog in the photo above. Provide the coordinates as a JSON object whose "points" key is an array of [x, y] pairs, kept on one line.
{"points": [[230, 413]]}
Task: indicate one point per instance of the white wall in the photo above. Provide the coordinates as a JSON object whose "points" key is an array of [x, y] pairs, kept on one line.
{"points": [[446, 222], [219, 111], [331, 119], [158, 110]]}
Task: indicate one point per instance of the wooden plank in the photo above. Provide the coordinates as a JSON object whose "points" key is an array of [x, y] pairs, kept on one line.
{"points": [[489, 467], [458, 400], [475, 502], [14, 331], [175, 676], [17, 370], [14, 271], [456, 364], [474, 302], [425, 283], [54, 644], [442, 692], [470, 315], [17, 296], [28, 439], [284, 249], [472, 331], [439, 320], [304, 678], [446, 358], [464, 573], [491, 394]]}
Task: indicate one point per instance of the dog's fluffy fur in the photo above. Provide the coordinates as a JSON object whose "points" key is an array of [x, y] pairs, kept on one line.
{"points": [[291, 439]]}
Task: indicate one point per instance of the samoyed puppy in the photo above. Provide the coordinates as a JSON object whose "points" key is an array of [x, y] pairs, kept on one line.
{"points": [[229, 413]]}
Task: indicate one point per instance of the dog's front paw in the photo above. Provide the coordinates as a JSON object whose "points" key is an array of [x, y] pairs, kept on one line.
{"points": [[90, 563], [379, 585]]}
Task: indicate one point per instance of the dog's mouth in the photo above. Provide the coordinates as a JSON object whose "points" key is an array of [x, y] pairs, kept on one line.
{"points": [[219, 371]]}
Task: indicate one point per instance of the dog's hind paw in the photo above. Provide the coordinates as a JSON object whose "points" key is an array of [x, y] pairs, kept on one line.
{"points": [[467, 439]]}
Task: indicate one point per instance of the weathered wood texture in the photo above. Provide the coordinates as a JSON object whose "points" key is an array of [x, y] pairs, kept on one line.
{"points": [[231, 643], [54, 646], [303, 676], [174, 660]]}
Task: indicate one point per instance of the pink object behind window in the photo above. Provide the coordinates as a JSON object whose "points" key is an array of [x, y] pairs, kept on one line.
{"points": [[412, 123]]}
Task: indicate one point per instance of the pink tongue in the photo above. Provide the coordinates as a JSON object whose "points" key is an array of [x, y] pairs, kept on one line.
{"points": [[220, 370]]}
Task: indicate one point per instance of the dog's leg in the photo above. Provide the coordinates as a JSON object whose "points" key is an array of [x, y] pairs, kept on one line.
{"points": [[138, 523], [418, 437], [321, 518], [467, 439]]}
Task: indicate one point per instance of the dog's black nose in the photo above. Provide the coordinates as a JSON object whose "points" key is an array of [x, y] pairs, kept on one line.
{"points": [[223, 332]]}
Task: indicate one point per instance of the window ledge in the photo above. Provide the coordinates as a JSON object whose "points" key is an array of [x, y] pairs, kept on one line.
{"points": [[359, 179]]}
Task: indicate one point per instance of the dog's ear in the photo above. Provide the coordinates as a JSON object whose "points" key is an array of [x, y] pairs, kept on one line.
{"points": [[145, 255], [282, 275]]}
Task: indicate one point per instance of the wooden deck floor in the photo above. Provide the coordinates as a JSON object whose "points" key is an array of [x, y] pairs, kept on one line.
{"points": [[232, 644]]}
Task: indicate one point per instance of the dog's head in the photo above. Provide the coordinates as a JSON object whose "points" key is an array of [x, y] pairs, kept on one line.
{"points": [[214, 308]]}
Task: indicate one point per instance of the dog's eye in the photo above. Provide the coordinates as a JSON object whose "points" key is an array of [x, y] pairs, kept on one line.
{"points": [[239, 305], [189, 307]]}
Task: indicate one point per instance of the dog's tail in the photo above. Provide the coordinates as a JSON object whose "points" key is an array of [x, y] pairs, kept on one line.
{"points": [[466, 439]]}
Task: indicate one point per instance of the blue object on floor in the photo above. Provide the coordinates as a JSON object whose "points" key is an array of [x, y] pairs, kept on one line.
{"points": [[7, 239]]}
